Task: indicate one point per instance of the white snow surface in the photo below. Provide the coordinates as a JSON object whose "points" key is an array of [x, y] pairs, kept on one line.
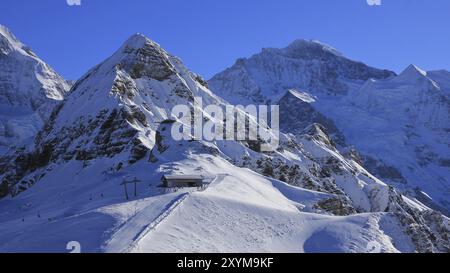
{"points": [[402, 121], [29, 89], [240, 210]]}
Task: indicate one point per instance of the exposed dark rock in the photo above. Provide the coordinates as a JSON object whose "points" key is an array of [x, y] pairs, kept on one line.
{"points": [[138, 152], [337, 206], [124, 88], [382, 170], [108, 132], [319, 133], [304, 116], [200, 80], [4, 190], [426, 228], [149, 61], [134, 114]]}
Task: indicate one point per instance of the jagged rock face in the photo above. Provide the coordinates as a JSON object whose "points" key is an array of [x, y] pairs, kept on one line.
{"points": [[427, 229], [319, 167], [304, 115], [29, 89], [382, 170], [351, 189], [147, 61], [303, 65], [334, 65]]}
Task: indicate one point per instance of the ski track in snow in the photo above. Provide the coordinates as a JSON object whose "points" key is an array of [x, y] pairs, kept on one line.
{"points": [[171, 207]]}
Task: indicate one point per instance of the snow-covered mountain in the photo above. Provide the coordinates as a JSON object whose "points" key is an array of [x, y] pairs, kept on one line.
{"points": [[408, 128], [115, 125], [398, 124], [309, 65], [29, 89]]}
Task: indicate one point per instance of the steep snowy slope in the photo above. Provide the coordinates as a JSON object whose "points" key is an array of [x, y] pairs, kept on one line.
{"points": [[442, 78], [399, 124], [29, 89], [240, 211], [115, 125], [244, 211], [405, 122]]}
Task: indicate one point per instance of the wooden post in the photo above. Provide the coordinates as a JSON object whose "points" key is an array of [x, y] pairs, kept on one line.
{"points": [[126, 191], [125, 183], [136, 180]]}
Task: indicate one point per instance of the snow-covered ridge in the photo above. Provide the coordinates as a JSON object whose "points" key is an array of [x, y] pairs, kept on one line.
{"points": [[303, 48], [303, 65], [412, 74], [442, 78], [399, 123], [307, 196], [8, 42], [29, 89]]}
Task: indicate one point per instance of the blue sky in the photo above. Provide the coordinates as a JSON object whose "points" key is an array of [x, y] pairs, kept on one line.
{"points": [[209, 35]]}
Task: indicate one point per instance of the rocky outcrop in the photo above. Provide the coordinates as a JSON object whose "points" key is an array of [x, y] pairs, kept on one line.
{"points": [[304, 116]]}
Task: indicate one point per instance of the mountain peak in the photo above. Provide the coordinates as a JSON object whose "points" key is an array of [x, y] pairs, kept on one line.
{"points": [[140, 41], [301, 44], [141, 56], [8, 42], [415, 69], [29, 89], [412, 72], [137, 40], [307, 49], [5, 32]]}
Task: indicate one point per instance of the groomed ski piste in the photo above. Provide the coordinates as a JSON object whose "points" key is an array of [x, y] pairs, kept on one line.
{"points": [[238, 212]]}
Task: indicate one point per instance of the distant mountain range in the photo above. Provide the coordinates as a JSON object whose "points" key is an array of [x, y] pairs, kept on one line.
{"points": [[399, 124], [361, 167]]}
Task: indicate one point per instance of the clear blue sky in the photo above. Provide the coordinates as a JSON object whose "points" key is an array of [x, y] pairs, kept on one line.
{"points": [[209, 35]]}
